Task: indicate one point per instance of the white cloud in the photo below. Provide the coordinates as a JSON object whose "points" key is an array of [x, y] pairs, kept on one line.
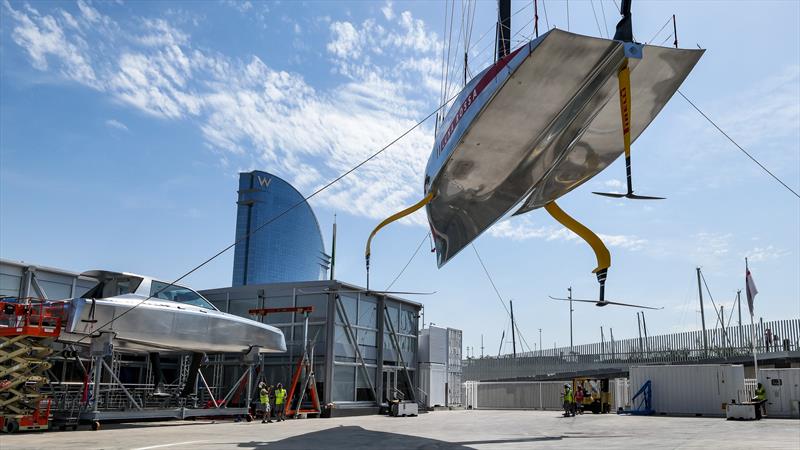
{"points": [[759, 254], [712, 245], [112, 123], [254, 115], [346, 41], [523, 228], [158, 32], [614, 183], [43, 38], [387, 10], [88, 12]]}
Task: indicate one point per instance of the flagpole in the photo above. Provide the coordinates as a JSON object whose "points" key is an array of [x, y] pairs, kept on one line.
{"points": [[752, 323]]}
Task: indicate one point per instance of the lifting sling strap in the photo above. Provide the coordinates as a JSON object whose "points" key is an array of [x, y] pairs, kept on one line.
{"points": [[397, 216]]}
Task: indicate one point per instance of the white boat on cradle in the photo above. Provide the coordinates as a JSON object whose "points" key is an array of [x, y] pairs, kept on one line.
{"points": [[147, 315]]}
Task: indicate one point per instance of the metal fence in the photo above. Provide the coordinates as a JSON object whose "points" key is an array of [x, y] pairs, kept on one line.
{"points": [[728, 344]]}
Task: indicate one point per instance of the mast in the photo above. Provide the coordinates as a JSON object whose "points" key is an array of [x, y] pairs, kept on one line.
{"points": [[502, 337], [503, 41], [639, 323], [702, 313], [646, 343], [624, 31], [513, 333], [570, 320], [739, 302], [333, 249]]}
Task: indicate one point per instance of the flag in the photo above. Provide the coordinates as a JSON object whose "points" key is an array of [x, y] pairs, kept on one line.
{"points": [[750, 287]]}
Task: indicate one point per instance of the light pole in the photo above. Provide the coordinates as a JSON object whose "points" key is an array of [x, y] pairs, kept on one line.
{"points": [[570, 319], [540, 342]]}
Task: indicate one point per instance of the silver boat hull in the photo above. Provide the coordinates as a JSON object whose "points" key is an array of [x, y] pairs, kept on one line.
{"points": [[166, 326], [535, 126]]}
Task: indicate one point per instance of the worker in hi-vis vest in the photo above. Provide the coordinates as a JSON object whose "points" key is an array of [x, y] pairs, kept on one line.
{"points": [[568, 401], [761, 398], [263, 398], [280, 402]]}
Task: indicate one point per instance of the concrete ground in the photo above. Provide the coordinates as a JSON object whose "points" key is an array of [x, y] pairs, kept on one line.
{"points": [[443, 430]]}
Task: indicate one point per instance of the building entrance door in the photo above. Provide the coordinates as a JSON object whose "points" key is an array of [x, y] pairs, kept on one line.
{"points": [[389, 384]]}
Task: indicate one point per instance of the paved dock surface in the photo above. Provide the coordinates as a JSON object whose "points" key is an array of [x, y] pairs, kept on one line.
{"points": [[442, 430]]}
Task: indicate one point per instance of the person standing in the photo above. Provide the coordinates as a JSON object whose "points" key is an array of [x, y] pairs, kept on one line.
{"points": [[280, 402], [761, 398], [579, 394], [263, 397], [568, 401]]}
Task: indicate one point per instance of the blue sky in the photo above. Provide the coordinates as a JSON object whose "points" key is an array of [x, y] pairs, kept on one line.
{"points": [[123, 126]]}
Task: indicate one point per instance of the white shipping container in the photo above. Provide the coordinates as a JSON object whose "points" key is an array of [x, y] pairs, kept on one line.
{"points": [[544, 395], [454, 389], [783, 391], [433, 345], [453, 350], [690, 389], [432, 380]]}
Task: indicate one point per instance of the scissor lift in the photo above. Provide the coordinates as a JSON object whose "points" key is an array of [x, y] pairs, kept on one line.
{"points": [[26, 327]]}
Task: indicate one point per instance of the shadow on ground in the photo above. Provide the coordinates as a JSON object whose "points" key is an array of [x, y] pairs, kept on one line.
{"points": [[353, 437]]}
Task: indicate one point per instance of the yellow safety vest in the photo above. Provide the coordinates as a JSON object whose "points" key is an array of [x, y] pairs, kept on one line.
{"points": [[568, 396], [264, 397], [761, 394], [280, 394]]}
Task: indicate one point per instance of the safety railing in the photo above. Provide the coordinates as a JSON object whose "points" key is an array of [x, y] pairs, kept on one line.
{"points": [[730, 343]]}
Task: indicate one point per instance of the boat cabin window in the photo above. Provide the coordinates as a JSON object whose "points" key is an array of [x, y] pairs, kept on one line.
{"points": [[178, 294], [113, 286]]}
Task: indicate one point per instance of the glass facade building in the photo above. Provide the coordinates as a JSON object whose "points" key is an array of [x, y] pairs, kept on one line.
{"points": [[364, 344], [290, 248]]}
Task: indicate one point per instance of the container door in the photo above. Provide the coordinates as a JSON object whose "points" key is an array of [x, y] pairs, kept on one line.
{"points": [[777, 402]]}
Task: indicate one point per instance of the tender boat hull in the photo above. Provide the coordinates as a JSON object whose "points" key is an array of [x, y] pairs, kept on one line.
{"points": [[166, 326], [536, 125]]}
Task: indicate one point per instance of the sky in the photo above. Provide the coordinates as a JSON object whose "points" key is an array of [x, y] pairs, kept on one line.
{"points": [[124, 125]]}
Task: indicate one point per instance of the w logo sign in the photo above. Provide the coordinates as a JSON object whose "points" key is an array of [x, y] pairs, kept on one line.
{"points": [[264, 181]]}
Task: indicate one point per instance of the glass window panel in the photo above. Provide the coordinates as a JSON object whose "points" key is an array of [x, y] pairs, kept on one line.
{"points": [[343, 347], [367, 338], [318, 301], [344, 383], [173, 293], [349, 303], [221, 305], [240, 307], [55, 290], [9, 284], [316, 335], [407, 322], [363, 391], [394, 313], [367, 312], [278, 302]]}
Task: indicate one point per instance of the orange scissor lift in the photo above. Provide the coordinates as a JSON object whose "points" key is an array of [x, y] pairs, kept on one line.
{"points": [[27, 326]]}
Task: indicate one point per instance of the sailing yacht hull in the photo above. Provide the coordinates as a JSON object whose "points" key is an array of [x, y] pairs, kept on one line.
{"points": [[536, 125], [164, 326]]}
